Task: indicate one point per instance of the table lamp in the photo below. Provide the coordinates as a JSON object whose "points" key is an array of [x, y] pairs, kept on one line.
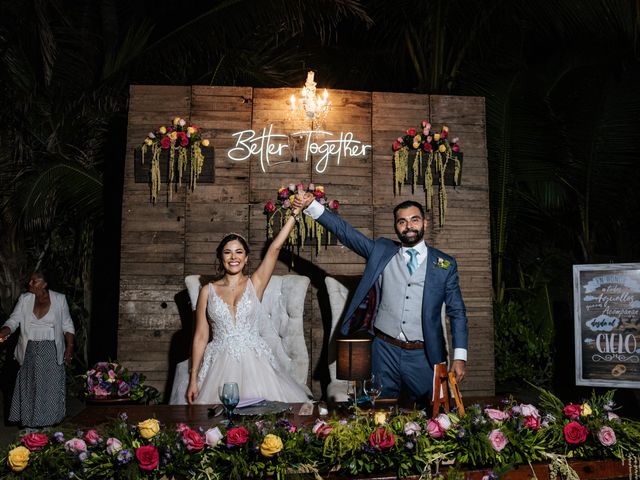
{"points": [[354, 360]]}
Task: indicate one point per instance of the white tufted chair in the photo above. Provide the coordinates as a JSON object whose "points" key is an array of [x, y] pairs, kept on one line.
{"points": [[283, 301], [338, 295]]}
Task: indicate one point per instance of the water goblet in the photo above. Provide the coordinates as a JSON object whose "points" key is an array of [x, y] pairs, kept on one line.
{"points": [[229, 396], [373, 388]]}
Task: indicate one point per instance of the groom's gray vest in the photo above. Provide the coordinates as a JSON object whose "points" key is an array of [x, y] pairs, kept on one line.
{"points": [[400, 307]]}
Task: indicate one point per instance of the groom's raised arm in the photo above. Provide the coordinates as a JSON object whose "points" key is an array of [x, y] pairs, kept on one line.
{"points": [[348, 236]]}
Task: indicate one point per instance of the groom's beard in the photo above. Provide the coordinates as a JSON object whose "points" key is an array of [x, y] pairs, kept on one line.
{"points": [[410, 241]]}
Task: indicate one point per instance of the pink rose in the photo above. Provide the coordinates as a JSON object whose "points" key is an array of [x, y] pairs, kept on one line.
{"points": [[411, 131], [444, 421], [434, 429], [496, 415], [91, 437], [575, 433], [382, 439], [455, 148], [237, 436], [98, 391], [322, 429], [573, 411], [444, 134], [113, 445], [396, 146], [148, 457], [192, 440], [529, 411], [607, 436], [75, 445], [34, 441], [286, 203], [532, 422], [181, 427], [498, 440]]}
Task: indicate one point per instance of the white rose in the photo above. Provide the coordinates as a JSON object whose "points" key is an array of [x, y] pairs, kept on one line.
{"points": [[444, 421], [113, 445], [213, 436], [529, 411]]}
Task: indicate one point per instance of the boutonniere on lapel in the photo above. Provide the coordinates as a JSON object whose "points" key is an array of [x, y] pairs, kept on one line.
{"points": [[442, 263]]}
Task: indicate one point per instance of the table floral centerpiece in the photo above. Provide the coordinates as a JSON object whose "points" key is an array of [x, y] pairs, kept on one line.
{"points": [[492, 439], [183, 142], [423, 152], [112, 381]]}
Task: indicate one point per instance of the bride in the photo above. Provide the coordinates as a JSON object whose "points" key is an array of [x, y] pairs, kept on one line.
{"points": [[231, 307]]}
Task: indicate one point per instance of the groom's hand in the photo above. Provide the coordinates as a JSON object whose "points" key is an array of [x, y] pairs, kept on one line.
{"points": [[302, 200], [459, 367]]}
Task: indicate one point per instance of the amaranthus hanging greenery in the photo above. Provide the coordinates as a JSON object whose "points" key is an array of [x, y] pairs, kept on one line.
{"points": [[181, 139], [439, 154]]}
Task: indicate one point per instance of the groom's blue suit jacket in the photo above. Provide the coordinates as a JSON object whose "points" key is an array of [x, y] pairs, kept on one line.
{"points": [[441, 286]]}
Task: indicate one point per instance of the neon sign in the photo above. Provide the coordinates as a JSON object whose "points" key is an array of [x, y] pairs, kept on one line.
{"points": [[271, 148]]}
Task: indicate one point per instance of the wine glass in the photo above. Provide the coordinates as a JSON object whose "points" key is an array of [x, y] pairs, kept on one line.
{"points": [[373, 388], [229, 396], [352, 392]]}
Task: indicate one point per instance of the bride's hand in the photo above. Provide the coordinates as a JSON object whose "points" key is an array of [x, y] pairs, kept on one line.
{"points": [[192, 393]]}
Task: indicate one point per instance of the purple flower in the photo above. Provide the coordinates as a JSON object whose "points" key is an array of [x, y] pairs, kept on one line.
{"points": [[84, 456], [59, 437], [124, 456], [123, 416], [123, 389]]}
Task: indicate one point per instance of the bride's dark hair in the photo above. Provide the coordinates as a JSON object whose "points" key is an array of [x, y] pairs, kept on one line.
{"points": [[226, 239]]}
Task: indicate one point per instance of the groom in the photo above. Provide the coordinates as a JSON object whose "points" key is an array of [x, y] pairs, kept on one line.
{"points": [[399, 300]]}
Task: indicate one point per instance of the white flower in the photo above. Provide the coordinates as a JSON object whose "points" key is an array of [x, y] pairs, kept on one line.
{"points": [[444, 421], [213, 436], [412, 428], [529, 410], [113, 445]]}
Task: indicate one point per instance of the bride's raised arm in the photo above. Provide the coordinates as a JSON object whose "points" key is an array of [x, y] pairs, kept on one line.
{"points": [[262, 275]]}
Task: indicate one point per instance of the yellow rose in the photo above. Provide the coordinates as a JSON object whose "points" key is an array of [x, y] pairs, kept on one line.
{"points": [[417, 138], [586, 410], [173, 135], [148, 141], [416, 145], [149, 428], [176, 120], [442, 149], [162, 130], [205, 143], [436, 137], [191, 130], [380, 418], [320, 188], [271, 444], [18, 458], [445, 128]]}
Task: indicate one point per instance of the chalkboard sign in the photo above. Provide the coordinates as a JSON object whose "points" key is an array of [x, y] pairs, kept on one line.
{"points": [[607, 324]]}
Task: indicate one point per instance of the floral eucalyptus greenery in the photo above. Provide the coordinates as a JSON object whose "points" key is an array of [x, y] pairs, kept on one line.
{"points": [[495, 438], [437, 151], [182, 141]]}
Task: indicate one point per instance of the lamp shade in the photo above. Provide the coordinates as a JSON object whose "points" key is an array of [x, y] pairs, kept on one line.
{"points": [[353, 358]]}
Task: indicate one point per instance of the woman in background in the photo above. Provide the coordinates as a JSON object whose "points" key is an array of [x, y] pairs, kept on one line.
{"points": [[45, 343], [231, 307]]}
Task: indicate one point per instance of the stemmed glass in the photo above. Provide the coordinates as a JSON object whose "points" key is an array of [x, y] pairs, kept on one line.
{"points": [[373, 388], [352, 392], [229, 394]]}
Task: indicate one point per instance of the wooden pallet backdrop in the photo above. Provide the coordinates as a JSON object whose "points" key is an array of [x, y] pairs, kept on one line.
{"points": [[163, 243]]}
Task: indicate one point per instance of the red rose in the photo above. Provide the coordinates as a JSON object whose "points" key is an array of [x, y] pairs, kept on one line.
{"points": [[532, 422], [147, 456], [269, 207], [382, 439], [165, 142], [192, 440], [334, 204], [573, 411], [184, 140], [396, 146], [34, 441], [427, 147], [237, 436], [91, 437], [411, 131], [455, 147], [575, 433]]}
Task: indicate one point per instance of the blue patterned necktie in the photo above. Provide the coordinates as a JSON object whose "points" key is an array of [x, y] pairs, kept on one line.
{"points": [[412, 264]]}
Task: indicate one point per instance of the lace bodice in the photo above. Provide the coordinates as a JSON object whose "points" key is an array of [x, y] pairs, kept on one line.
{"points": [[234, 335]]}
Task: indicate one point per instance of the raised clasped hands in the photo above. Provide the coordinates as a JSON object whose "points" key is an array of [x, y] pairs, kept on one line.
{"points": [[302, 200]]}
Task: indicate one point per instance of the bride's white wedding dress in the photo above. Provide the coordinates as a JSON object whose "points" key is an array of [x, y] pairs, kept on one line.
{"points": [[238, 353]]}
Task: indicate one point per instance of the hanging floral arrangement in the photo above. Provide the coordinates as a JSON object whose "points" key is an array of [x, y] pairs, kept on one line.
{"points": [[183, 143], [278, 213], [423, 153]]}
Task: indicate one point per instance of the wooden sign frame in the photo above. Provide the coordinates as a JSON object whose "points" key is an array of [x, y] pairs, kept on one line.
{"points": [[607, 324]]}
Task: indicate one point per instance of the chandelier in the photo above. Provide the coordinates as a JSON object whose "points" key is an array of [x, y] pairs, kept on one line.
{"points": [[310, 107]]}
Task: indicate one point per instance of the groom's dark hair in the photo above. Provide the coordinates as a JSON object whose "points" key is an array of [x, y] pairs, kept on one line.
{"points": [[407, 204]]}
